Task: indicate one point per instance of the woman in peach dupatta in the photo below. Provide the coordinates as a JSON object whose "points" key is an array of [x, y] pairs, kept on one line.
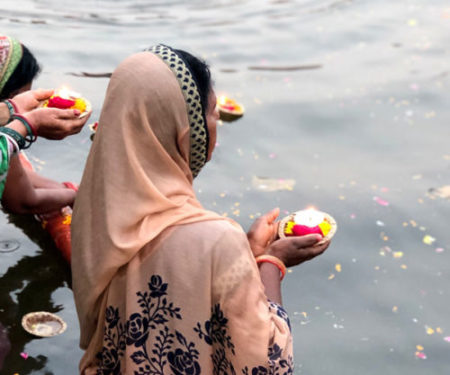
{"points": [[161, 285]]}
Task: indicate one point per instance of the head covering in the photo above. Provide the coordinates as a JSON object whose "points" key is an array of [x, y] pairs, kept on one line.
{"points": [[197, 120], [10, 55], [137, 181]]}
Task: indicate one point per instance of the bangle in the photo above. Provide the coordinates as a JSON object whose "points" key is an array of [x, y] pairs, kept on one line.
{"points": [[273, 260], [70, 185], [14, 135], [31, 130], [12, 108]]}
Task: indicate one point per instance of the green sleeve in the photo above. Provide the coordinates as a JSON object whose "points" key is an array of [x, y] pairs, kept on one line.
{"points": [[4, 162]]}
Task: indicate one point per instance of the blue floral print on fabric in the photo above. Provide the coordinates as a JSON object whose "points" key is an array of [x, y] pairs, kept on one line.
{"points": [[171, 352]]}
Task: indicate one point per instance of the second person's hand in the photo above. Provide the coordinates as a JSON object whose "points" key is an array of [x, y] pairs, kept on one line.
{"points": [[295, 250], [31, 99], [55, 123]]}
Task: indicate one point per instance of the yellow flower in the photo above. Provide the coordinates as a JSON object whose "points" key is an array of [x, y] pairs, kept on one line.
{"points": [[325, 227], [80, 104], [67, 220], [288, 228]]}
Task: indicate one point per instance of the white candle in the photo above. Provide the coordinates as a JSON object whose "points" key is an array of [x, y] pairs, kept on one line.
{"points": [[310, 217]]}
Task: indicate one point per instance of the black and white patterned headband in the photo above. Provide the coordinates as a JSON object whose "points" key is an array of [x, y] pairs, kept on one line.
{"points": [[199, 137]]}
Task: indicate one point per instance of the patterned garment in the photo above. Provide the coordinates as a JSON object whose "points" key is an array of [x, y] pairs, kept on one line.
{"points": [[4, 162], [162, 285], [175, 323], [10, 55]]}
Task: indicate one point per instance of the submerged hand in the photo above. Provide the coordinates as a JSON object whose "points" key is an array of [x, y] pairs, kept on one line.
{"points": [[263, 232], [31, 99], [55, 123], [295, 250]]}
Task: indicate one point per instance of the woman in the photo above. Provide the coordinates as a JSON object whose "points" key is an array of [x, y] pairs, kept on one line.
{"points": [[25, 191], [162, 285]]}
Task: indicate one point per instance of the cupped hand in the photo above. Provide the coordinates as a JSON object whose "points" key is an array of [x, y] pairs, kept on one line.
{"points": [[263, 232], [55, 123], [31, 99], [295, 250]]}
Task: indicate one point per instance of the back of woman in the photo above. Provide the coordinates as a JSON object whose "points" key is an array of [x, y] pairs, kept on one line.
{"points": [[162, 285]]}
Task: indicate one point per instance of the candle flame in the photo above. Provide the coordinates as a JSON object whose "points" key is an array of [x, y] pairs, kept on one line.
{"points": [[222, 100], [64, 92]]}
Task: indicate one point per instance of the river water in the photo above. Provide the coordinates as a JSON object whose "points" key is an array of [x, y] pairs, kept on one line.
{"points": [[358, 127]]}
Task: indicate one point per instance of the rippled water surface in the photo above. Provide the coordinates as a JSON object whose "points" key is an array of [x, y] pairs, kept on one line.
{"points": [[358, 127]]}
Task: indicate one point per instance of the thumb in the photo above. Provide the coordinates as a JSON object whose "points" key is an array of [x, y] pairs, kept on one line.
{"points": [[272, 215], [68, 114], [307, 240], [43, 94]]}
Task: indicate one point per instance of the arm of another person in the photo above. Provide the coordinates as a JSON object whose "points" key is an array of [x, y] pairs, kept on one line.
{"points": [[24, 102], [20, 195]]}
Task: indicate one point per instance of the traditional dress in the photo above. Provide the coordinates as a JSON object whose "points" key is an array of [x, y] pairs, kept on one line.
{"points": [[10, 55], [161, 285]]}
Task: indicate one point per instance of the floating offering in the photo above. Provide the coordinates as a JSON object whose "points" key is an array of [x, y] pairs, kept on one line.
{"points": [[229, 110], [43, 324], [308, 221], [65, 99]]}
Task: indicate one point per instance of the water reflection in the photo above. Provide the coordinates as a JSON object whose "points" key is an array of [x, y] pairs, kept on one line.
{"points": [[28, 286]]}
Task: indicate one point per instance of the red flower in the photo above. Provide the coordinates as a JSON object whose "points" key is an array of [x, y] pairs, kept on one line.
{"points": [[301, 230], [58, 102]]}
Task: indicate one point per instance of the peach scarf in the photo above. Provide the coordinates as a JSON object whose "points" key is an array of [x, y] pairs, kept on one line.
{"points": [[137, 181]]}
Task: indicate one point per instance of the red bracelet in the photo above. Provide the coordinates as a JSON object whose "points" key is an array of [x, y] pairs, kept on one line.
{"points": [[26, 122], [273, 260], [13, 104]]}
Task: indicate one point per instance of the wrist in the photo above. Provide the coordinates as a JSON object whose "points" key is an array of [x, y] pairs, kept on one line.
{"points": [[274, 261], [4, 113]]}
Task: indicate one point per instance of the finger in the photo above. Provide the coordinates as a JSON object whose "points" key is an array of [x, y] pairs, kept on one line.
{"points": [[272, 215], [306, 241], [67, 114], [42, 94]]}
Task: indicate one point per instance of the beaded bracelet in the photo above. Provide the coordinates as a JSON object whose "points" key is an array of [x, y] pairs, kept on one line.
{"points": [[14, 135], [31, 130], [273, 260], [12, 108]]}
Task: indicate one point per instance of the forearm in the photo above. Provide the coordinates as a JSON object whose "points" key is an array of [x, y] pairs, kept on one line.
{"points": [[270, 277], [47, 200], [39, 181], [21, 197]]}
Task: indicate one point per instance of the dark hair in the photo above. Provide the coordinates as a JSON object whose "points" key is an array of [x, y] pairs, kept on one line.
{"points": [[200, 72], [27, 70]]}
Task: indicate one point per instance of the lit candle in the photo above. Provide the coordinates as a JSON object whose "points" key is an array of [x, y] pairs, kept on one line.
{"points": [[309, 217], [64, 93]]}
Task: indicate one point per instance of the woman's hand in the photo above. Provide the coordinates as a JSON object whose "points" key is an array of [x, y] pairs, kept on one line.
{"points": [[295, 250], [263, 232], [55, 123], [31, 99]]}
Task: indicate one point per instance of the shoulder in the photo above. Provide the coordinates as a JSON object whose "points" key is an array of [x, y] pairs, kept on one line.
{"points": [[211, 233]]}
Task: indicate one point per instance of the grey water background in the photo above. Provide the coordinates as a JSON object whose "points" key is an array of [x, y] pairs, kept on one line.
{"points": [[368, 125]]}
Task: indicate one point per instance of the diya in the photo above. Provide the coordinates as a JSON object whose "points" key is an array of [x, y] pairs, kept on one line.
{"points": [[63, 98], [229, 109], [308, 221], [43, 324]]}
